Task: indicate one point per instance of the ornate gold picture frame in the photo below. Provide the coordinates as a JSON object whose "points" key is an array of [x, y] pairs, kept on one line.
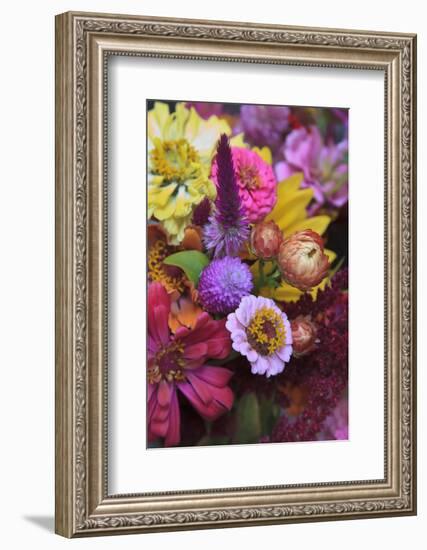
{"points": [[84, 42]]}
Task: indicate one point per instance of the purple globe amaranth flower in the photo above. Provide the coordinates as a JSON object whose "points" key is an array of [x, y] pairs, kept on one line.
{"points": [[264, 125], [324, 165], [228, 227], [223, 283]]}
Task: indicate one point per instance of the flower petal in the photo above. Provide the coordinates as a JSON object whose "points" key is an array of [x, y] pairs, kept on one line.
{"points": [[196, 351], [173, 434], [160, 413], [284, 353], [276, 365], [245, 348], [152, 346], [158, 313], [201, 387], [152, 401], [318, 224], [239, 336], [164, 393], [219, 347], [260, 366], [223, 396], [223, 400], [232, 324], [209, 331], [216, 376], [159, 425], [294, 210], [286, 189], [246, 309], [252, 355]]}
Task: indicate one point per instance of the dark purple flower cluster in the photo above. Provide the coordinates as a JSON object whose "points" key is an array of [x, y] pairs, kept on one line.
{"points": [[323, 374], [323, 396]]}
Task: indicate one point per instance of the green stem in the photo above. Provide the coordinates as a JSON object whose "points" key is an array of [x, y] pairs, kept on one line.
{"points": [[261, 279]]}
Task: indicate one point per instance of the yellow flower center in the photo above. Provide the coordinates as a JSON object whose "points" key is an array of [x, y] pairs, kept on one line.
{"points": [[173, 159], [171, 277], [266, 332], [168, 364], [249, 176]]}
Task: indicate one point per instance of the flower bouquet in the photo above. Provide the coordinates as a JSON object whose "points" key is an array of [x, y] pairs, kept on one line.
{"points": [[247, 323]]}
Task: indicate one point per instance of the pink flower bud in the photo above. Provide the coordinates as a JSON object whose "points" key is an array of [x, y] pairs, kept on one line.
{"points": [[302, 261], [266, 238], [304, 333]]}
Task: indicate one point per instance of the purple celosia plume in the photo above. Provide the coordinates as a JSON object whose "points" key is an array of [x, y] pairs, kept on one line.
{"points": [[228, 227]]}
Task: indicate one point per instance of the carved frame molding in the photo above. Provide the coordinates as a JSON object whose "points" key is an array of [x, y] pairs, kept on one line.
{"points": [[83, 44]]}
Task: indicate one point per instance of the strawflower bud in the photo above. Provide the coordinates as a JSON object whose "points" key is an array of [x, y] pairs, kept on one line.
{"points": [[302, 261], [304, 333], [266, 238]]}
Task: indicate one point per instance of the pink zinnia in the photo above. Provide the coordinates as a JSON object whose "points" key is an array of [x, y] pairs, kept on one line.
{"points": [[178, 361], [324, 165], [256, 182]]}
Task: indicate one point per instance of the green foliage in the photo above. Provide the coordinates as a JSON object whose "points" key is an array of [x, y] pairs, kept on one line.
{"points": [[269, 413], [248, 420], [268, 275], [192, 262]]}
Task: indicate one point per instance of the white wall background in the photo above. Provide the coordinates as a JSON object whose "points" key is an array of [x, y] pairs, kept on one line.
{"points": [[27, 273]]}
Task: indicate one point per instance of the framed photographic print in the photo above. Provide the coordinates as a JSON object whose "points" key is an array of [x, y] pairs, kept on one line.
{"points": [[235, 274]]}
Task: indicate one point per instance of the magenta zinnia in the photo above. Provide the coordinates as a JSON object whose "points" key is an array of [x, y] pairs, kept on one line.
{"points": [[228, 228], [178, 362]]}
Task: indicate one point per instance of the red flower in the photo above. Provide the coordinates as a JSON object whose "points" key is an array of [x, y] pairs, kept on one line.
{"points": [[178, 361]]}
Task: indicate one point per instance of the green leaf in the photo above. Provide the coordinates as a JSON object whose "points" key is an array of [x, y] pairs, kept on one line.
{"points": [[248, 421], [337, 267], [191, 262], [269, 413]]}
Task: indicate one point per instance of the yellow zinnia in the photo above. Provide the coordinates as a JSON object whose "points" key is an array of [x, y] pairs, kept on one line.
{"points": [[180, 150], [290, 214]]}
